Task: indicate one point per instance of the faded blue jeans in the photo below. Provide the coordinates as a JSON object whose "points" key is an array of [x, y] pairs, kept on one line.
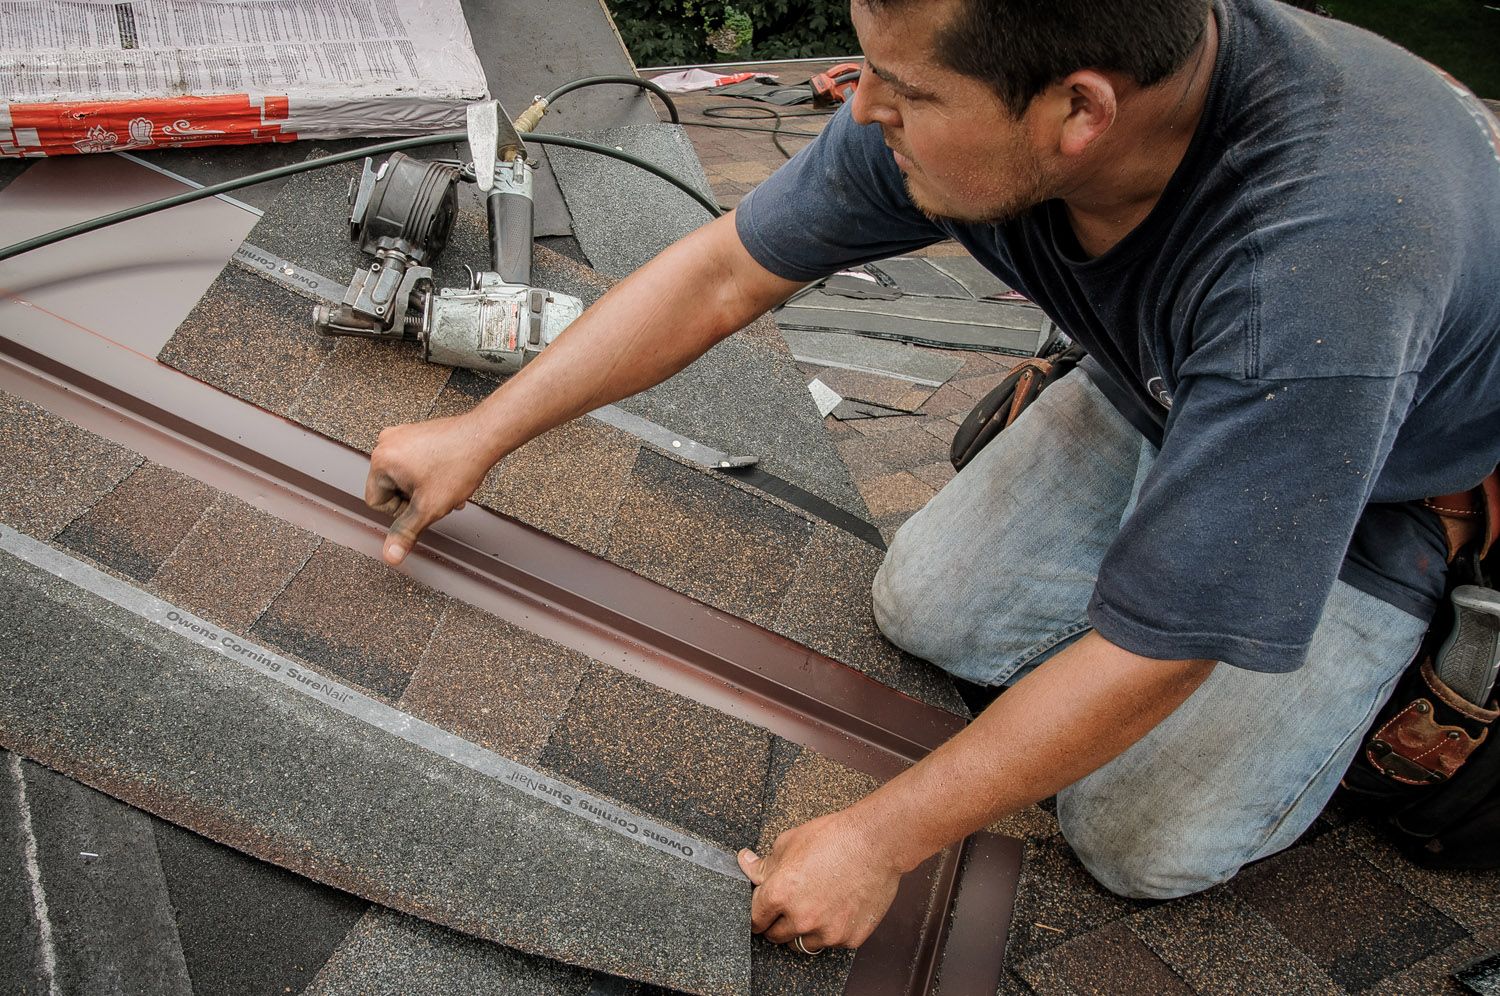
{"points": [[994, 576]]}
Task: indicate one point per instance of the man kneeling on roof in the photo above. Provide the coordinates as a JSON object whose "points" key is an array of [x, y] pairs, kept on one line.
{"points": [[1198, 562]]}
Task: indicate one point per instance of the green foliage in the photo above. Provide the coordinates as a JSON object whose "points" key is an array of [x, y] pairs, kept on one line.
{"points": [[676, 32], [1462, 36]]}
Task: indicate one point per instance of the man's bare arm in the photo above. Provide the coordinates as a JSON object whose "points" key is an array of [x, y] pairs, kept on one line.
{"points": [[647, 328], [831, 880]]}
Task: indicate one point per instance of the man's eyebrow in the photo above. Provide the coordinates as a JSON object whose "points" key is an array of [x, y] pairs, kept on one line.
{"points": [[893, 79]]}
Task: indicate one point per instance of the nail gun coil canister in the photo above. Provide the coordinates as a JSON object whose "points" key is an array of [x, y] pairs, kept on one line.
{"points": [[496, 327]]}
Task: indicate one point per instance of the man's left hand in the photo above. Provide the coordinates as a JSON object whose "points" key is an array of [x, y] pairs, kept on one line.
{"points": [[827, 881]]}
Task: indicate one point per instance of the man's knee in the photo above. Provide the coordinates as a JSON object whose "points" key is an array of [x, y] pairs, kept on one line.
{"points": [[908, 605], [1145, 861]]}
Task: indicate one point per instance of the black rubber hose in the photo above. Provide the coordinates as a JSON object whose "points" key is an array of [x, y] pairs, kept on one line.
{"points": [[189, 196], [625, 157], [758, 112], [634, 81]]}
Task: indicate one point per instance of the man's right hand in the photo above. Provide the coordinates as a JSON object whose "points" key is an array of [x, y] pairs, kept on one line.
{"points": [[652, 324], [421, 472]]}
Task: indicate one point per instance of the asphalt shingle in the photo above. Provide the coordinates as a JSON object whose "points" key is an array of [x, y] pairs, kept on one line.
{"points": [[354, 617], [388, 953], [51, 471], [493, 683], [232, 563], [1355, 924], [212, 744], [694, 766], [248, 927], [707, 539], [135, 527]]}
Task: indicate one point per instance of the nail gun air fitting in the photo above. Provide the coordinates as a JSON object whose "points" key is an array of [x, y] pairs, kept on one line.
{"points": [[402, 212]]}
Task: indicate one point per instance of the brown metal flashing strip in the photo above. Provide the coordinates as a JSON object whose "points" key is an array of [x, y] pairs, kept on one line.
{"points": [[952, 914], [973, 944], [511, 570], [553, 589]]}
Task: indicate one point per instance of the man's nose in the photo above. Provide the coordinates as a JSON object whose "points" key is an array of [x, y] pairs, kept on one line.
{"points": [[872, 103]]}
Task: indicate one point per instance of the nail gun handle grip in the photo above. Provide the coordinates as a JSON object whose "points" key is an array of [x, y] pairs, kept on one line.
{"points": [[511, 228]]}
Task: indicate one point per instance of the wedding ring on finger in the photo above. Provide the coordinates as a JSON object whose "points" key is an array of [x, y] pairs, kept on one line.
{"points": [[802, 947]]}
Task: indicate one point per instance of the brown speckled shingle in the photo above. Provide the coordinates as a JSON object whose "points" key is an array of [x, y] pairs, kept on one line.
{"points": [[1058, 900], [355, 617], [1355, 924], [135, 527], [364, 386], [51, 471], [896, 495], [1471, 898], [232, 563], [1222, 948], [803, 786], [1432, 975], [251, 339], [828, 609], [707, 539], [493, 683], [1108, 962], [699, 768], [567, 482]]}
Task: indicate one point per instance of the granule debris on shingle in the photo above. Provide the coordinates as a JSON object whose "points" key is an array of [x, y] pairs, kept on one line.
{"points": [[354, 616], [135, 527], [51, 471], [493, 683], [232, 563]]}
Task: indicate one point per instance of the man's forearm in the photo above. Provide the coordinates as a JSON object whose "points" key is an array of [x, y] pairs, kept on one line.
{"points": [[647, 328], [1072, 715]]}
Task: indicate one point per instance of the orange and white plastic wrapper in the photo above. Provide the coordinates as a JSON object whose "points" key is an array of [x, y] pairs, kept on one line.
{"points": [[81, 76]]}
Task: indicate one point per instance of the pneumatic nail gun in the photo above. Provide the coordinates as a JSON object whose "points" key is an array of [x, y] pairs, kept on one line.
{"points": [[402, 212]]}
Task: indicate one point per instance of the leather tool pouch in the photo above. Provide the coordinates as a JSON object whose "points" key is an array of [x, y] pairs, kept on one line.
{"points": [[1430, 766], [1007, 401]]}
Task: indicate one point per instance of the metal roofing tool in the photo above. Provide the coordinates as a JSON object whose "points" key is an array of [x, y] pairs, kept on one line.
{"points": [[402, 212], [837, 85]]}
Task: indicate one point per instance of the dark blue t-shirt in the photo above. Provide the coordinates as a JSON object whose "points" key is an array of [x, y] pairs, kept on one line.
{"points": [[1308, 321]]}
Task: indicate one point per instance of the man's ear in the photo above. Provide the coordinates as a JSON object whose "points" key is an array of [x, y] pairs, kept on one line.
{"points": [[1087, 105]]}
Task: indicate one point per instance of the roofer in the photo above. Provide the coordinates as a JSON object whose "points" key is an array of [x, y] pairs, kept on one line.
{"points": [[1197, 561]]}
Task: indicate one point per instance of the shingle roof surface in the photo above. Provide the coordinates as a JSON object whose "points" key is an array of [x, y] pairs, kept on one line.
{"points": [[503, 687]]}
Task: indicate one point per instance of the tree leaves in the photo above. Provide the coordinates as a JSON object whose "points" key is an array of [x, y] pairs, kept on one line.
{"points": [[675, 32]]}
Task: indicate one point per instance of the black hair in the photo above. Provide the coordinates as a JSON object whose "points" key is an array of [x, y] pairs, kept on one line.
{"points": [[1021, 47]]}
